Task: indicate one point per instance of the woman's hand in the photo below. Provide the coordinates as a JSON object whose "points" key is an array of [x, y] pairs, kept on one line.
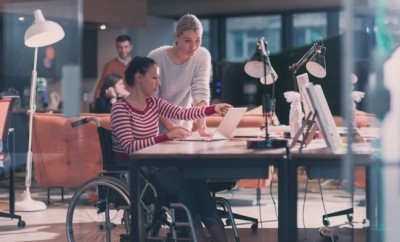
{"points": [[110, 93], [178, 132], [222, 108], [203, 131]]}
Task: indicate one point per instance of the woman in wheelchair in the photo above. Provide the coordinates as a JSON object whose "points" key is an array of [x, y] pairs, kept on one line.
{"points": [[134, 122]]}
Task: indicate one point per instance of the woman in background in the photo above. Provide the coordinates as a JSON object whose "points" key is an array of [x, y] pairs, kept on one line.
{"points": [[112, 89]]}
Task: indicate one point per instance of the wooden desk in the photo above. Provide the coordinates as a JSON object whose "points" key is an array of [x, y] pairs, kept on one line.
{"points": [[210, 159]]}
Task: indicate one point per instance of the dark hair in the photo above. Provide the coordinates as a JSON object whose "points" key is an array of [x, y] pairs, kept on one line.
{"points": [[122, 38], [138, 64], [109, 81]]}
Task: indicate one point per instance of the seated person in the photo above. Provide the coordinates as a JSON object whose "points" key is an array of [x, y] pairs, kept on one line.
{"points": [[364, 119], [134, 122], [112, 89]]}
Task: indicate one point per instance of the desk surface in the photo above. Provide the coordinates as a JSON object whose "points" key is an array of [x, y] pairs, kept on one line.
{"points": [[317, 152], [234, 154], [223, 149], [235, 148]]}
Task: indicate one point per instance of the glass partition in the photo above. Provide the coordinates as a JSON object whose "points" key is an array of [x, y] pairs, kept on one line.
{"points": [[54, 62], [57, 92], [371, 48]]}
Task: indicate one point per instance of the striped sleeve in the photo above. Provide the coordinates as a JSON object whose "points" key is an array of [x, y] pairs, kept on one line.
{"points": [[126, 134], [171, 111]]}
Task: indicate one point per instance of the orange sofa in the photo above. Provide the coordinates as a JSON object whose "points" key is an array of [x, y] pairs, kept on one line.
{"points": [[67, 157], [64, 156]]}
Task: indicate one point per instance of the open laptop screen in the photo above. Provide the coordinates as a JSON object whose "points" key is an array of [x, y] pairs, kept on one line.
{"points": [[225, 128]]}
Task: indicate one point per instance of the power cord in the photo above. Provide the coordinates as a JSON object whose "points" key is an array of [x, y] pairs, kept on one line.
{"points": [[273, 201], [270, 192], [327, 218]]}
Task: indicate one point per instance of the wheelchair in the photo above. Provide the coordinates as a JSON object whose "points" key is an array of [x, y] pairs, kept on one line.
{"points": [[100, 208]]}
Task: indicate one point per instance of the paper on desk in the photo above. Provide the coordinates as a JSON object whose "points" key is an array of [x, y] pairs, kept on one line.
{"points": [[274, 131], [365, 132]]}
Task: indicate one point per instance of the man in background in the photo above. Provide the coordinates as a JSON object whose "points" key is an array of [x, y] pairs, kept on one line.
{"points": [[116, 65]]}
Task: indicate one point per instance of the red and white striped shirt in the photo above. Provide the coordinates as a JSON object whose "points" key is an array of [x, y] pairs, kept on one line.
{"points": [[133, 130]]}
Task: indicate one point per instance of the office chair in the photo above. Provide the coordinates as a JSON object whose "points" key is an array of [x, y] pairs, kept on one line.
{"points": [[6, 163], [333, 174]]}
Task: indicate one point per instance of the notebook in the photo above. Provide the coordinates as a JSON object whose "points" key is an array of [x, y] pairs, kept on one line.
{"points": [[225, 128]]}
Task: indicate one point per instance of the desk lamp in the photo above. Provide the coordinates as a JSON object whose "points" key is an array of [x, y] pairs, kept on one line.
{"points": [[315, 59], [40, 33], [259, 66]]}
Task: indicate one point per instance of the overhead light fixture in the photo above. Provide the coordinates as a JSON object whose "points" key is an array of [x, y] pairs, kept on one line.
{"points": [[40, 33], [314, 59], [259, 66]]}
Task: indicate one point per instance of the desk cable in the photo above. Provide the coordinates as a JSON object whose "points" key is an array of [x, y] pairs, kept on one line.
{"points": [[327, 218], [323, 204], [270, 192], [259, 204], [259, 213]]}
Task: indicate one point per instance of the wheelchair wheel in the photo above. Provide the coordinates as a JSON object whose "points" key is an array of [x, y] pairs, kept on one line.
{"points": [[99, 211]]}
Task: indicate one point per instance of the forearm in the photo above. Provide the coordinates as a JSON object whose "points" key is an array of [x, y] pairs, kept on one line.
{"points": [[201, 123], [167, 123], [170, 111]]}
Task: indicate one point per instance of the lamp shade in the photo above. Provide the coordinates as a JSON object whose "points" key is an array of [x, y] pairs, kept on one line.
{"points": [[42, 32], [255, 66], [272, 76], [316, 64]]}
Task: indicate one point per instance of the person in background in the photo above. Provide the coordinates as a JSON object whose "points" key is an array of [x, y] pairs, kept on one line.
{"points": [[364, 119], [117, 65], [185, 70], [112, 89], [134, 123]]}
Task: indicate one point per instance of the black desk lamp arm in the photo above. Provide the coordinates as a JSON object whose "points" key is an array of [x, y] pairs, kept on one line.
{"points": [[303, 60]]}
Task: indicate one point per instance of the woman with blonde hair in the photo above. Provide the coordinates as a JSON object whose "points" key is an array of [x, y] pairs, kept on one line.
{"points": [[185, 70]]}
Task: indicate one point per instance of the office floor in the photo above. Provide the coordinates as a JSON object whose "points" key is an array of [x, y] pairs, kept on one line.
{"points": [[49, 225]]}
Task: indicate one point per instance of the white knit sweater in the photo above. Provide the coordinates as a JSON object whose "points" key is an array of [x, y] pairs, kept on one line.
{"points": [[185, 84]]}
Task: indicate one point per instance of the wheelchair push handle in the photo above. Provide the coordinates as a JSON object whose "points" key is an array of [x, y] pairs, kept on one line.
{"points": [[83, 121]]}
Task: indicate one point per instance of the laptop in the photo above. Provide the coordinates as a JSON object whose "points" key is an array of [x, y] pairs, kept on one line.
{"points": [[225, 128]]}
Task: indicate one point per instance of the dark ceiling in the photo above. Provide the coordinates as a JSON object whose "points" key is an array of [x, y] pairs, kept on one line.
{"points": [[135, 12]]}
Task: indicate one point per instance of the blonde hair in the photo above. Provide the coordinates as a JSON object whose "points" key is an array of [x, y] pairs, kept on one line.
{"points": [[188, 22]]}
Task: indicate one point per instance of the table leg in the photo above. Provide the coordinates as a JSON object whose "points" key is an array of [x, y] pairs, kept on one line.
{"points": [[12, 177], [372, 175], [287, 192], [134, 189]]}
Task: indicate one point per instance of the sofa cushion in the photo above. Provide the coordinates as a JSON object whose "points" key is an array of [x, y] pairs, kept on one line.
{"points": [[66, 156]]}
